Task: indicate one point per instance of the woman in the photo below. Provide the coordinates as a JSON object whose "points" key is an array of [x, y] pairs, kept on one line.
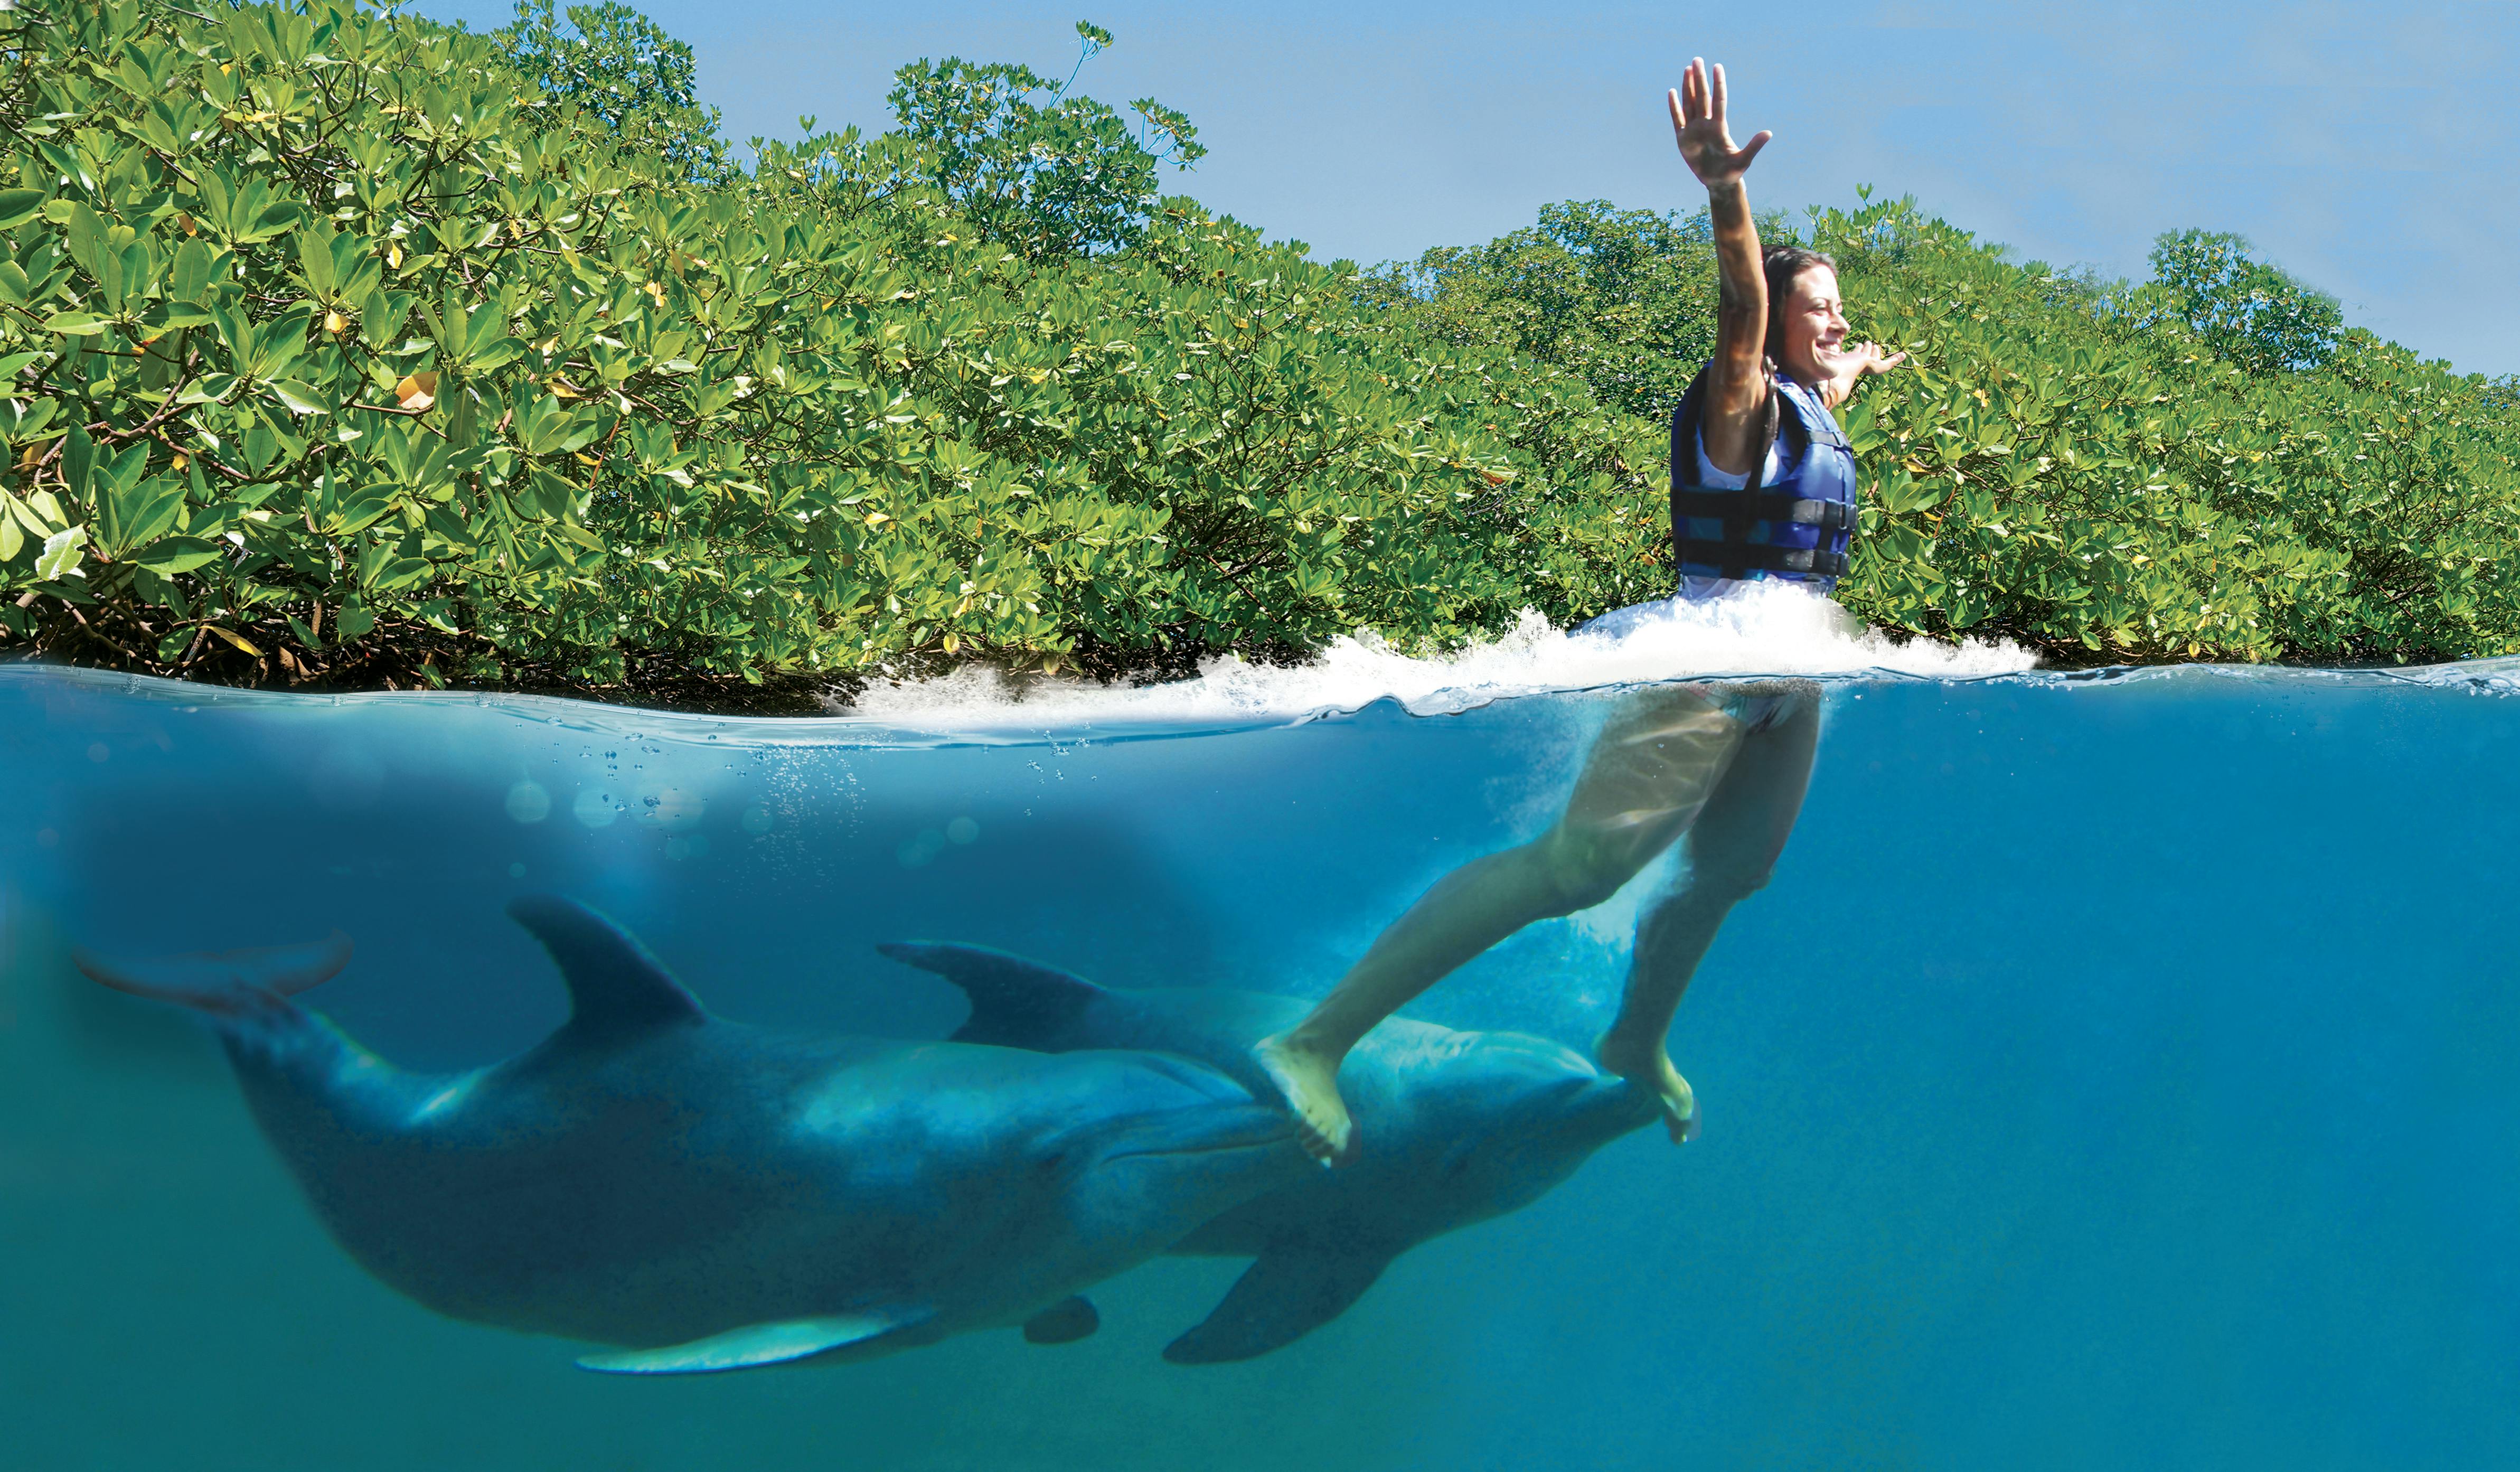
{"points": [[1763, 487]]}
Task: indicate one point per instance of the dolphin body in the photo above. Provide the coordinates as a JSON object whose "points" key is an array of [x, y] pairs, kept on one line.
{"points": [[1453, 1128], [713, 1196]]}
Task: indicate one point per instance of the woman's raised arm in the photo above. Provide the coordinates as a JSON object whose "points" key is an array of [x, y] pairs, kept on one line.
{"points": [[1737, 387]]}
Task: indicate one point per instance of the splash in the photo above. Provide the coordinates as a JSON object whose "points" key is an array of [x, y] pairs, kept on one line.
{"points": [[1758, 630]]}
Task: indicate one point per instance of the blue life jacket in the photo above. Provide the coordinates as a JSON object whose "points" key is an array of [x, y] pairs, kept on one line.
{"points": [[1797, 529]]}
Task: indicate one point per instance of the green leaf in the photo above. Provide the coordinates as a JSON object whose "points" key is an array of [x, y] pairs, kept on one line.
{"points": [[77, 324], [261, 446], [272, 222], [400, 573], [18, 206], [196, 268], [315, 256], [79, 463], [176, 554], [140, 513], [353, 622], [359, 510], [62, 554], [382, 318], [300, 398], [86, 236]]}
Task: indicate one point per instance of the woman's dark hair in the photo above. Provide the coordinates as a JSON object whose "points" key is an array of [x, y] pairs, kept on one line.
{"points": [[1783, 265]]}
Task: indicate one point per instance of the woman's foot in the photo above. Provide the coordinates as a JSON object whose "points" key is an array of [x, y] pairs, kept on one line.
{"points": [[1309, 1080], [1647, 1064]]}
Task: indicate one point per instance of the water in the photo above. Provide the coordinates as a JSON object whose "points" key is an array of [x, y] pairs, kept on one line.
{"points": [[2116, 1074]]}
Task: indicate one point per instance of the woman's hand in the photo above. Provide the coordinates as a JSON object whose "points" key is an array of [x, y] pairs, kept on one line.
{"points": [[1848, 367], [1697, 123]]}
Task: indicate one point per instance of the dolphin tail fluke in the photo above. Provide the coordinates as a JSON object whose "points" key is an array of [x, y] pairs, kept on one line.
{"points": [[1016, 1003], [1285, 1295], [234, 986]]}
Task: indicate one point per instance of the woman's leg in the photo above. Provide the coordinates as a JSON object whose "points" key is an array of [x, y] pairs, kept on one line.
{"points": [[1732, 850], [1643, 782]]}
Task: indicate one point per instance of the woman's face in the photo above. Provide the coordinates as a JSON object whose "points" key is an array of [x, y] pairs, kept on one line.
{"points": [[1814, 323]]}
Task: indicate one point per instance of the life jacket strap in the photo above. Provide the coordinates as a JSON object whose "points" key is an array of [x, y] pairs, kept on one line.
{"points": [[1737, 560], [1754, 505]]}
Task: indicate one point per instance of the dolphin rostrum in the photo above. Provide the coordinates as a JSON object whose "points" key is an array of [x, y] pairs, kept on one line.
{"points": [[1456, 1127], [705, 1195]]}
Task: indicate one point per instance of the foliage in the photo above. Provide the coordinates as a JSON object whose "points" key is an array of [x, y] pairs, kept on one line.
{"points": [[1625, 300], [622, 68], [2244, 311], [2052, 470], [338, 349], [1030, 165], [2183, 469], [340, 345]]}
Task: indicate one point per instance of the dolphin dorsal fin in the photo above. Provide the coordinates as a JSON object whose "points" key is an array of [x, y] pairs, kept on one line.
{"points": [[614, 986], [1016, 1003]]}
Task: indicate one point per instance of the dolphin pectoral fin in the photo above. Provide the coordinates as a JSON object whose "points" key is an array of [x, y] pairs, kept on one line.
{"points": [[1064, 1323], [753, 1345], [1285, 1295], [616, 989], [1016, 1003]]}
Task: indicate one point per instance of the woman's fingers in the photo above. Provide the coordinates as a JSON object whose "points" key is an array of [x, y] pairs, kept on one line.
{"points": [[1697, 120]]}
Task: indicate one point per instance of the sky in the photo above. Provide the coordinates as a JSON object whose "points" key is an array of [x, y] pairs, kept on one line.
{"points": [[2369, 149]]}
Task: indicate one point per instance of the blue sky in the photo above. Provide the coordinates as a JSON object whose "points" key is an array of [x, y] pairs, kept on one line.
{"points": [[2371, 149]]}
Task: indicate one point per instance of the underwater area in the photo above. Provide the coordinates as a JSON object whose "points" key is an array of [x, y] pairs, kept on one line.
{"points": [[2117, 1071]]}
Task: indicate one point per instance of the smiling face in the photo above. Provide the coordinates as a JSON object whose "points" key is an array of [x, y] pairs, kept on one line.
{"points": [[1811, 319]]}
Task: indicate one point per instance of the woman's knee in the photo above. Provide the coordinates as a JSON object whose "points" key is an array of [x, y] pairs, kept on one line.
{"points": [[1578, 874]]}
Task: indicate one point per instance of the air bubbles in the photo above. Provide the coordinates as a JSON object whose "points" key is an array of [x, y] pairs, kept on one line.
{"points": [[528, 802], [593, 809], [669, 808]]}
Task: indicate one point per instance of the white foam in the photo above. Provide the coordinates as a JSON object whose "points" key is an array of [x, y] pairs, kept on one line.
{"points": [[1761, 630]]}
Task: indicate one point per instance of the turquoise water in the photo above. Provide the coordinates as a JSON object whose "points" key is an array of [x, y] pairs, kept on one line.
{"points": [[2118, 1072]]}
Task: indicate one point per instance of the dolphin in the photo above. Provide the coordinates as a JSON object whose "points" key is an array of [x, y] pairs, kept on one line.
{"points": [[705, 1195], [1456, 1127]]}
